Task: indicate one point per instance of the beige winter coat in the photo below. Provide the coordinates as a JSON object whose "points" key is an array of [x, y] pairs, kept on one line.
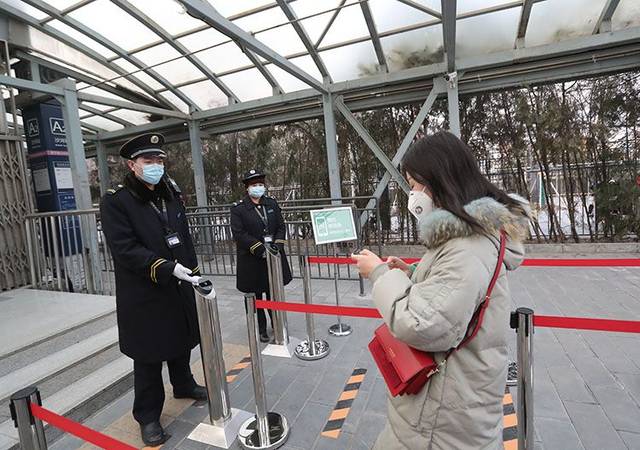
{"points": [[461, 406]]}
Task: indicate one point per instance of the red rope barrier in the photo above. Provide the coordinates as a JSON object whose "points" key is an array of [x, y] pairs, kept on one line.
{"points": [[351, 311], [577, 323], [580, 323], [87, 434], [530, 262]]}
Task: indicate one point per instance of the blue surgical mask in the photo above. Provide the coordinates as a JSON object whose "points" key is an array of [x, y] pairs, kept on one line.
{"points": [[152, 173], [256, 191]]}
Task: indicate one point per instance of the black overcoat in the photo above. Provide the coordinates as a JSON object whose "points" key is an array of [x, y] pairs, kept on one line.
{"points": [[157, 319], [248, 231]]}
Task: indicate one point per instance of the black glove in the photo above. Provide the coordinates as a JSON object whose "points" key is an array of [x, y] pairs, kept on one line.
{"points": [[274, 248]]}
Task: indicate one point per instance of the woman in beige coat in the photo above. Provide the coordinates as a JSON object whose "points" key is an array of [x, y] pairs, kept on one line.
{"points": [[429, 305]]}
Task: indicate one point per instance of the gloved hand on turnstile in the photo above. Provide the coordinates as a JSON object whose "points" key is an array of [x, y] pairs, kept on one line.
{"points": [[275, 248], [183, 273]]}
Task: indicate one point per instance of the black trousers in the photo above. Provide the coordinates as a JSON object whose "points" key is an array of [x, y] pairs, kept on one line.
{"points": [[149, 388], [262, 317]]}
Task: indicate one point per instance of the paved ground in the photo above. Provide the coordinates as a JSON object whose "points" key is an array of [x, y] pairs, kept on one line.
{"points": [[587, 384]]}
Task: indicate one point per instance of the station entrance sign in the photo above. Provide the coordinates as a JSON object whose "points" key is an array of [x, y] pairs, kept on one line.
{"points": [[333, 225]]}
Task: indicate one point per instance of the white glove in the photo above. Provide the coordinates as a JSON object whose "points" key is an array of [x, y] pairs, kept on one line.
{"points": [[183, 273]]}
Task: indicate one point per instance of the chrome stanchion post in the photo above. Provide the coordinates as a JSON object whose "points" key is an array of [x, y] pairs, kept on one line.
{"points": [[312, 348], [266, 430], [224, 421], [338, 329], [522, 321], [283, 344], [30, 428]]}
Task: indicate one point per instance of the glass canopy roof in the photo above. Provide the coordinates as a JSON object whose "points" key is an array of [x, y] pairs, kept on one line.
{"points": [[155, 52]]}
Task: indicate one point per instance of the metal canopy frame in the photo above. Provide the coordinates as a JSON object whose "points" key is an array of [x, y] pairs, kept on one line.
{"points": [[603, 52]]}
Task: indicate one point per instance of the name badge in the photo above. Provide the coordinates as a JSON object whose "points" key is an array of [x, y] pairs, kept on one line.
{"points": [[173, 240]]}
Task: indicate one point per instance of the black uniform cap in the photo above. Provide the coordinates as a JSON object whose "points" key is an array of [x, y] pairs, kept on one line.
{"points": [[143, 144], [253, 175]]}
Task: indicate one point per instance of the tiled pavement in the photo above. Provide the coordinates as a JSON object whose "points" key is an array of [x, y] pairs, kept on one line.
{"points": [[587, 384]]}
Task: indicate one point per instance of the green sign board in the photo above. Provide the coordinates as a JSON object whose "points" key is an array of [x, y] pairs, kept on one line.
{"points": [[333, 225]]}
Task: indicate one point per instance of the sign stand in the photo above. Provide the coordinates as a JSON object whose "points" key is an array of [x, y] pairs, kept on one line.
{"points": [[333, 225], [338, 329]]}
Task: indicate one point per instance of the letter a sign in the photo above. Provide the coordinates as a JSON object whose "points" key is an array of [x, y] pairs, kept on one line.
{"points": [[57, 125]]}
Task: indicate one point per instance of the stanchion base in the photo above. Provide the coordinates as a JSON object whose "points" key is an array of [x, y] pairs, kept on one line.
{"points": [[340, 329], [281, 351], [278, 433], [320, 350], [221, 436]]}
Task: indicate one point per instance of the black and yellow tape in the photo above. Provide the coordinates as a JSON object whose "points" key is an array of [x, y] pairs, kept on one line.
{"points": [[235, 370], [510, 422], [341, 410]]}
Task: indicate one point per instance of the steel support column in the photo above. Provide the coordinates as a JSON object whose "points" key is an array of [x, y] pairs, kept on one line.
{"points": [[198, 165], [75, 146], [103, 167], [330, 135], [454, 106], [80, 177]]}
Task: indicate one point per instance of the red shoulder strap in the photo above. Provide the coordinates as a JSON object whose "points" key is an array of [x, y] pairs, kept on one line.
{"points": [[478, 316]]}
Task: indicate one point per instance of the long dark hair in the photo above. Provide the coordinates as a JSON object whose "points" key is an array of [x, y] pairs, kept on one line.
{"points": [[446, 166]]}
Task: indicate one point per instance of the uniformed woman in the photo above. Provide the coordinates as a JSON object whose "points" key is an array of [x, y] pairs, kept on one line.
{"points": [[256, 221]]}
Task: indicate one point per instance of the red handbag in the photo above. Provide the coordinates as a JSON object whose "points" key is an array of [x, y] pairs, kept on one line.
{"points": [[405, 369]]}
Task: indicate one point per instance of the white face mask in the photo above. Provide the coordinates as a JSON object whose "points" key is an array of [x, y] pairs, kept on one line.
{"points": [[419, 204]]}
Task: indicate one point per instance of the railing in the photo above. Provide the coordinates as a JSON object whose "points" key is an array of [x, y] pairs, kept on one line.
{"points": [[211, 232], [67, 252]]}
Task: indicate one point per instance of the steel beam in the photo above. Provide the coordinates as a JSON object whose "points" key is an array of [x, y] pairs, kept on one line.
{"points": [[603, 25], [525, 14], [79, 76], [438, 88], [371, 143], [67, 40], [106, 115], [68, 10], [420, 7], [128, 105], [333, 19], [180, 48], [208, 14], [82, 28], [195, 141], [29, 85], [449, 32], [375, 38], [330, 135], [275, 86], [304, 37]]}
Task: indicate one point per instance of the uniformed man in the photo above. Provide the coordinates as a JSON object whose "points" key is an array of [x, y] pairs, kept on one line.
{"points": [[256, 221], [155, 265]]}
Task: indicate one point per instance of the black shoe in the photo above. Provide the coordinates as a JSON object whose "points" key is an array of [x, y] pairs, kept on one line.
{"points": [[264, 337], [197, 393], [153, 434]]}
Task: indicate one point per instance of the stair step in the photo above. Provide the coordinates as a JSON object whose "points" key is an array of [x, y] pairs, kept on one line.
{"points": [[71, 398], [57, 362]]}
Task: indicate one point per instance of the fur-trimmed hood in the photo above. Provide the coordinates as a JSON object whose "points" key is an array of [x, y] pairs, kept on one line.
{"points": [[441, 225]]}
